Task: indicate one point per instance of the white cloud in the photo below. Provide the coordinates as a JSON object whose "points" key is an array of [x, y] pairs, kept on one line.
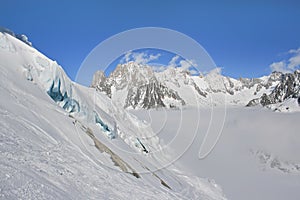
{"points": [[216, 71], [182, 63], [185, 65], [154, 57], [139, 57], [145, 58], [292, 51], [289, 66], [189, 65], [126, 58], [194, 72], [173, 61], [294, 62], [279, 67], [159, 68]]}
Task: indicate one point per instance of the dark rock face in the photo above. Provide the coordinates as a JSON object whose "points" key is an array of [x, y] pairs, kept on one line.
{"points": [[266, 100], [289, 87], [151, 96], [200, 92], [143, 88], [253, 102], [100, 83]]}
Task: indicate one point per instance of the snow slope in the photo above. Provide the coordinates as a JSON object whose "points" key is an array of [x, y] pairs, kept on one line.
{"points": [[60, 140]]}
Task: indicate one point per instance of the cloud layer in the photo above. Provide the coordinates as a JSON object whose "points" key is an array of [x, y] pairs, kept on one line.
{"points": [[290, 65]]}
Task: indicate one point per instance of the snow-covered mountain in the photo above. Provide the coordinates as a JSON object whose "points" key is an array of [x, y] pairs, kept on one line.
{"points": [[285, 96], [132, 85], [138, 84], [61, 140]]}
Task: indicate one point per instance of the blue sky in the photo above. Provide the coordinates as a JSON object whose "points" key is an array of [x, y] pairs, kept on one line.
{"points": [[243, 37]]}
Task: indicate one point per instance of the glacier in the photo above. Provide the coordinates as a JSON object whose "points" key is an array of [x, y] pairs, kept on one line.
{"points": [[61, 140]]}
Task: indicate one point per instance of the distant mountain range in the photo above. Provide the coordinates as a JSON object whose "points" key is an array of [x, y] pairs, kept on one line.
{"points": [[136, 86]]}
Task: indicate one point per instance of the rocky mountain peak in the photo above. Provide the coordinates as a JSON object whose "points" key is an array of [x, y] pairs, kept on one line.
{"points": [[288, 87], [136, 86]]}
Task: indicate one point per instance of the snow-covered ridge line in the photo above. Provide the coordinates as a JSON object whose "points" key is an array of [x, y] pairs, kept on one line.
{"points": [[135, 86]]}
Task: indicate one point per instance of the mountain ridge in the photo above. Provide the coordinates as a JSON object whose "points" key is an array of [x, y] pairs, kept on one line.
{"points": [[133, 86]]}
